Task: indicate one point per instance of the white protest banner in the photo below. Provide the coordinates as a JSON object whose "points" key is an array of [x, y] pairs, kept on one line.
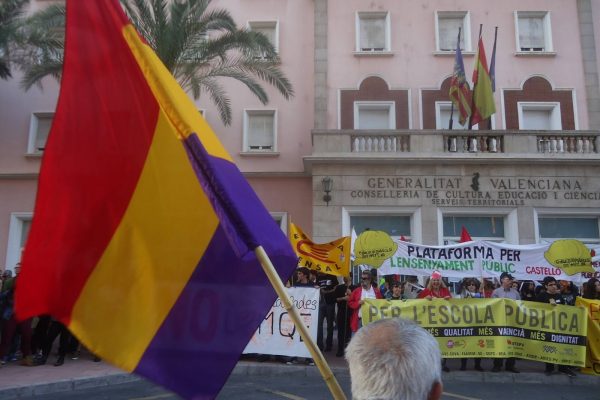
{"points": [[277, 334], [563, 259]]}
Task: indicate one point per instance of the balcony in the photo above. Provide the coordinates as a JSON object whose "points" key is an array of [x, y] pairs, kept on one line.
{"points": [[421, 146]]}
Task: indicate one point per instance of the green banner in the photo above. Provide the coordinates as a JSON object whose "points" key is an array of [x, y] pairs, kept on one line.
{"points": [[489, 328]]}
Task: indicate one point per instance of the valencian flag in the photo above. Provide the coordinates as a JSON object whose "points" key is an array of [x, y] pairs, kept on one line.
{"points": [[460, 92], [483, 97], [330, 258], [144, 229]]}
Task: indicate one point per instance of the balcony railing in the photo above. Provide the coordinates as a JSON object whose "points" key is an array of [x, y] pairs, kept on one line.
{"points": [[576, 145]]}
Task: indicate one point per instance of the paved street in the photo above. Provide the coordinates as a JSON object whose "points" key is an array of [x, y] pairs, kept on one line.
{"points": [[313, 388]]}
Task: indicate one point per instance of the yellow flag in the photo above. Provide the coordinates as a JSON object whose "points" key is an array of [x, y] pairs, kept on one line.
{"points": [[330, 258], [592, 360]]}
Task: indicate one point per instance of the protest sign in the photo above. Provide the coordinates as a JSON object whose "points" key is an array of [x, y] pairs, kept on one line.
{"points": [[475, 328], [562, 259], [277, 334]]}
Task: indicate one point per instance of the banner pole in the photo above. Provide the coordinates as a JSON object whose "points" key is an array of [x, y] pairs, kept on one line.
{"points": [[326, 373]]}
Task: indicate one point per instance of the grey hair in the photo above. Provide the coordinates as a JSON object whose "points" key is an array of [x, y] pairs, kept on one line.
{"points": [[393, 359]]}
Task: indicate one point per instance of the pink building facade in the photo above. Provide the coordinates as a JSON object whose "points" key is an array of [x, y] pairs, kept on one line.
{"points": [[370, 115]]}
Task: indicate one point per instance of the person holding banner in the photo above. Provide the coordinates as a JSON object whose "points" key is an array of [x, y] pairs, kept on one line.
{"points": [[365, 291], [396, 292], [592, 289], [506, 291], [553, 296], [342, 294], [470, 290], [436, 289], [394, 358]]}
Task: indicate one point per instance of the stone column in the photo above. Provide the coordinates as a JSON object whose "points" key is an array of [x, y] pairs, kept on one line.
{"points": [[320, 76], [590, 66]]}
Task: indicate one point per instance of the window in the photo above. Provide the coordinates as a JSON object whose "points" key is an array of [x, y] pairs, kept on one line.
{"points": [[280, 219], [533, 32], [539, 116], [372, 31], [374, 115], [447, 24], [260, 131], [269, 29], [483, 227], [393, 225], [442, 117], [18, 231], [39, 128], [583, 228]]}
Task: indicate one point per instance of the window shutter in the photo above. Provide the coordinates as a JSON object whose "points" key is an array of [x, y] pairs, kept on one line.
{"points": [[260, 131], [531, 33], [269, 32], [374, 118], [537, 119], [372, 34], [448, 30]]}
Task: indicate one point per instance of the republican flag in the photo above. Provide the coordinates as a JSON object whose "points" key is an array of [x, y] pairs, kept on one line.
{"points": [[460, 92], [144, 229], [330, 258], [483, 97]]}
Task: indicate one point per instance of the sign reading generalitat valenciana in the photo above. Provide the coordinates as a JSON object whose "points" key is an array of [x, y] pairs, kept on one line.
{"points": [[477, 190], [494, 327]]}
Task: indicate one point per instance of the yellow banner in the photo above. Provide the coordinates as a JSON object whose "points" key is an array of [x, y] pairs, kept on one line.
{"points": [[330, 258], [476, 328], [592, 359]]}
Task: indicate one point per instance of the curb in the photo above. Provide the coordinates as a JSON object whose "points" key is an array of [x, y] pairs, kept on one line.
{"points": [[66, 385], [274, 369]]}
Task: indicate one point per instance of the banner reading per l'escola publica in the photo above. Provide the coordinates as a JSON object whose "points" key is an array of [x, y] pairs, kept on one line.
{"points": [[489, 328], [563, 259], [278, 335]]}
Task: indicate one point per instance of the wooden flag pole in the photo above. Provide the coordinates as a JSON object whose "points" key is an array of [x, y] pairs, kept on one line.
{"points": [[326, 373]]}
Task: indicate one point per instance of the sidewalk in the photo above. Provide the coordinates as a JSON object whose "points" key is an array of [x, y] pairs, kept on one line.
{"points": [[17, 381]]}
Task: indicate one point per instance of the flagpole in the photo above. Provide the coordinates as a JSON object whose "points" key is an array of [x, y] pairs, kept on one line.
{"points": [[326, 373], [451, 122], [475, 84], [493, 71]]}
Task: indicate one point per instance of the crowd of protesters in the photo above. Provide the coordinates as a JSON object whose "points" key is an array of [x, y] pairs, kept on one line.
{"points": [[343, 302], [30, 342]]}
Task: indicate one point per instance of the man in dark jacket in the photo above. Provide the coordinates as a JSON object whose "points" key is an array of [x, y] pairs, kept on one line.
{"points": [[552, 296]]}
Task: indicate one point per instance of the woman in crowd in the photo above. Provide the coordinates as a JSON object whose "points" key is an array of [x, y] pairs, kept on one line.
{"points": [[471, 290], [436, 289], [569, 292], [528, 291], [592, 289]]}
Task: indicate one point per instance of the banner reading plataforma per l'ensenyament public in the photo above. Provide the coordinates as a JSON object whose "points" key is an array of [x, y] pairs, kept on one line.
{"points": [[489, 328], [564, 259], [278, 335]]}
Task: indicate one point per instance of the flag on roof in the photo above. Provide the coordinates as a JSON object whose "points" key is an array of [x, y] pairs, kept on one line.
{"points": [[483, 97], [329, 258], [493, 62], [144, 228], [460, 92], [464, 236]]}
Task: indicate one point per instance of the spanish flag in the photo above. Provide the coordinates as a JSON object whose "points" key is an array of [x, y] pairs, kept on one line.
{"points": [[483, 96], [144, 229], [329, 258]]}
